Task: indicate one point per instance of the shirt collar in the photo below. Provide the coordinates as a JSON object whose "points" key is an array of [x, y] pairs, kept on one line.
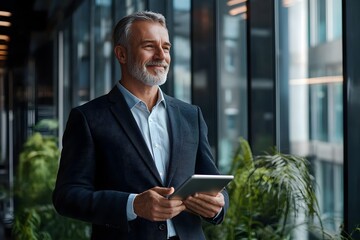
{"points": [[132, 100]]}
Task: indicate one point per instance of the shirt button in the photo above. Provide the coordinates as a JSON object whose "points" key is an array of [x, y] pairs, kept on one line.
{"points": [[162, 227]]}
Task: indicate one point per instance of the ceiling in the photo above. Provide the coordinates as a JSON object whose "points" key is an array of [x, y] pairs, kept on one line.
{"points": [[21, 20]]}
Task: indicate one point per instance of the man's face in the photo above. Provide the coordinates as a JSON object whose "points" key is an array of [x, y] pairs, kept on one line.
{"points": [[149, 53]]}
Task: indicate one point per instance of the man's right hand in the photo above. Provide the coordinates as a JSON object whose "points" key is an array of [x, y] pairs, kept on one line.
{"points": [[154, 206]]}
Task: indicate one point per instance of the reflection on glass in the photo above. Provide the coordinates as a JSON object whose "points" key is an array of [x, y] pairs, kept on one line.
{"points": [[325, 18], [310, 79], [66, 100], [103, 47], [232, 78], [181, 57], [3, 133], [81, 41], [319, 112]]}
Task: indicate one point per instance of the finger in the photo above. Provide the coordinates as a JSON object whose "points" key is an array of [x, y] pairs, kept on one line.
{"points": [[206, 208], [163, 191], [152, 205], [204, 198], [171, 212], [197, 209], [171, 203], [202, 211], [168, 213]]}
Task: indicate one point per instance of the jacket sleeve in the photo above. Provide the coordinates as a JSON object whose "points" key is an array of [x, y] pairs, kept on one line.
{"points": [[75, 194]]}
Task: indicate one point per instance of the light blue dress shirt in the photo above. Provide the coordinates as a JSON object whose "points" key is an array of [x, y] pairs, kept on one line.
{"points": [[154, 127]]}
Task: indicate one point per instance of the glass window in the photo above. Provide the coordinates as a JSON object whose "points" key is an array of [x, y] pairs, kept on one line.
{"points": [[181, 57], [310, 80], [335, 16], [103, 49], [337, 119], [65, 86], [324, 21], [319, 112], [3, 122], [81, 54], [232, 80]]}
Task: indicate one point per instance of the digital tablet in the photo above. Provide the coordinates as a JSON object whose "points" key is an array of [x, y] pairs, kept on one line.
{"points": [[201, 183]]}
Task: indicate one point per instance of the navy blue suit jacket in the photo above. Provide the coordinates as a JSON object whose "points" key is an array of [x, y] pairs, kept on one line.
{"points": [[105, 158]]}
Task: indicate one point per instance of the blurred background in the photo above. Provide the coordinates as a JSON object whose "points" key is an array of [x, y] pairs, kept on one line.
{"points": [[280, 73]]}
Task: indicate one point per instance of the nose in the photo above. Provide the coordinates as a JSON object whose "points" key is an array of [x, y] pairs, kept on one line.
{"points": [[160, 54]]}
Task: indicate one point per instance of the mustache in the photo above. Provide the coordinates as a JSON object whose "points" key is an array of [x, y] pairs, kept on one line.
{"points": [[157, 63]]}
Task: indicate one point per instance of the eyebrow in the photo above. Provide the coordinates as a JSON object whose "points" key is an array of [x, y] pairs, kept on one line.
{"points": [[168, 44], [152, 41]]}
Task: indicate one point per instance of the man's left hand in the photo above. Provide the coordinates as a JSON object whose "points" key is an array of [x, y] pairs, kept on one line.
{"points": [[207, 205]]}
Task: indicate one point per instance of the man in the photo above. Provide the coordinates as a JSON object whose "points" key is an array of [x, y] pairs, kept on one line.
{"points": [[125, 152]]}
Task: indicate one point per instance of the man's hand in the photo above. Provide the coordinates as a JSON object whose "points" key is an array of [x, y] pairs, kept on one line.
{"points": [[154, 206], [205, 204]]}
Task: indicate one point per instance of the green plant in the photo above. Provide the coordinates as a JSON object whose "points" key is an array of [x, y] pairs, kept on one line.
{"points": [[35, 216], [267, 194]]}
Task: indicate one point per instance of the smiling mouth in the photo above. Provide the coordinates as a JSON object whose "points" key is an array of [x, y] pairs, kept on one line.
{"points": [[157, 69], [157, 65]]}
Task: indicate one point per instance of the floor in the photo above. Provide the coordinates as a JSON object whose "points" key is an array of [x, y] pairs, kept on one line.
{"points": [[5, 229], [5, 234]]}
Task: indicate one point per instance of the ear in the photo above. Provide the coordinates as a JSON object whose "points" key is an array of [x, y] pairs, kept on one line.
{"points": [[121, 54]]}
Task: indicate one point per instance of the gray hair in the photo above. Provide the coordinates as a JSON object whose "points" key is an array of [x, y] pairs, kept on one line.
{"points": [[121, 31]]}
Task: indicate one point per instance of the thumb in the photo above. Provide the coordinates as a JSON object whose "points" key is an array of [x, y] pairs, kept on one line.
{"points": [[164, 191]]}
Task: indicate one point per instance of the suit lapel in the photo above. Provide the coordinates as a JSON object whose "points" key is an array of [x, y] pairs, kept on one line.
{"points": [[125, 118], [176, 138]]}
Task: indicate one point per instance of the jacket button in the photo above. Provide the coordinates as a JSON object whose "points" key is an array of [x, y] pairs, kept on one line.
{"points": [[162, 227]]}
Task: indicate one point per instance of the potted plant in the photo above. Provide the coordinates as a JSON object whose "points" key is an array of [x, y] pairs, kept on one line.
{"points": [[266, 195], [35, 216]]}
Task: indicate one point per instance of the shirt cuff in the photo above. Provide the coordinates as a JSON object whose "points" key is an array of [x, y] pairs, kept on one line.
{"points": [[218, 213], [130, 207]]}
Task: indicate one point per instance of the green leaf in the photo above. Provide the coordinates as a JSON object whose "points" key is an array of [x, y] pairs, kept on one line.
{"points": [[267, 191], [35, 216]]}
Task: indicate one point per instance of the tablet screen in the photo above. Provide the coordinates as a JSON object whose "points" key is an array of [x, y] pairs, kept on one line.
{"points": [[201, 183]]}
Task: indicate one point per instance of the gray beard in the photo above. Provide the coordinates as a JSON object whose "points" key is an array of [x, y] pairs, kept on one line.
{"points": [[140, 72]]}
